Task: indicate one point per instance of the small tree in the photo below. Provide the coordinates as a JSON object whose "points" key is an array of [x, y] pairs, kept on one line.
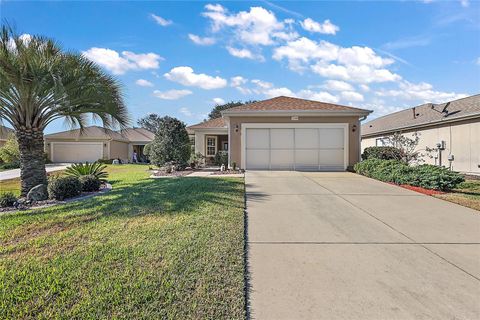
{"points": [[9, 152], [150, 122], [171, 143], [407, 146], [217, 109]]}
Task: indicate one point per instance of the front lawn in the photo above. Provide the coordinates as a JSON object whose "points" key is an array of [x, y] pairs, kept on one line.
{"points": [[466, 194], [151, 249]]}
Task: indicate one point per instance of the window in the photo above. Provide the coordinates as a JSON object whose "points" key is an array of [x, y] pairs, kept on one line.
{"points": [[211, 146], [225, 146]]}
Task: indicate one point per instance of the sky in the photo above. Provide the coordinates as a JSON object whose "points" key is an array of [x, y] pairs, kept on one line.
{"points": [[182, 58]]}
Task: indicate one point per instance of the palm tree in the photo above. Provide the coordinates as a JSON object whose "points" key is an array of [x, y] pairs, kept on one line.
{"points": [[40, 83]]}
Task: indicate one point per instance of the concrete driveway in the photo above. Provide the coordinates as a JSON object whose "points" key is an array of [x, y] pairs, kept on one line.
{"points": [[15, 173], [342, 246]]}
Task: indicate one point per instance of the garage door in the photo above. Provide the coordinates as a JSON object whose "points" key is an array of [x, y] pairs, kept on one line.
{"points": [[302, 148], [76, 151]]}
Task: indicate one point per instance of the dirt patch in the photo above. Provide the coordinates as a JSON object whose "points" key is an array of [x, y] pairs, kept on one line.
{"points": [[428, 192]]}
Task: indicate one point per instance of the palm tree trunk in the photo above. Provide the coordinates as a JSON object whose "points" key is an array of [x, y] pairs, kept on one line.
{"points": [[32, 160]]}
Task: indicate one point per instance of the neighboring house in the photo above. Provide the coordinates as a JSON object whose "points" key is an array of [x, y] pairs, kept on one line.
{"points": [[4, 134], [284, 133], [96, 143], [452, 129]]}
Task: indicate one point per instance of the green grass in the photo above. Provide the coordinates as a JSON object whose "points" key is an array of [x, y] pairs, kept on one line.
{"points": [[466, 194], [149, 249]]}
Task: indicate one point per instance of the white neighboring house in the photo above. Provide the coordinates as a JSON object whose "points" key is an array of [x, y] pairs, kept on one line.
{"points": [[452, 129]]}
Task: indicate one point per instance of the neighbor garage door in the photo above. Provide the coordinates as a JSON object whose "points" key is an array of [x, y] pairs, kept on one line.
{"points": [[305, 147], [76, 151]]}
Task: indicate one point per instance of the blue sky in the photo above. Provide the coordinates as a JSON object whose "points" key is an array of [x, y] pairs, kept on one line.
{"points": [[180, 58]]}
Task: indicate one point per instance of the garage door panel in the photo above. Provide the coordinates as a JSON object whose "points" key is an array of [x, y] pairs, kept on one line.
{"points": [[331, 158], [331, 138], [76, 152], [303, 148], [306, 138], [281, 138], [306, 159], [282, 159], [258, 139], [258, 159]]}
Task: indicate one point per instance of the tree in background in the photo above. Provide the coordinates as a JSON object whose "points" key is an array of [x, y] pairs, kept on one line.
{"points": [[216, 111], [40, 83], [150, 122], [171, 143], [9, 152]]}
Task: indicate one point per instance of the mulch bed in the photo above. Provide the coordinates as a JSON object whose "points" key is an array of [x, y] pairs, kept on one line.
{"points": [[227, 172], [51, 202], [172, 174], [428, 192]]}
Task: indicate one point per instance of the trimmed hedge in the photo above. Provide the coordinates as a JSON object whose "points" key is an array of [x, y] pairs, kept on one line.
{"points": [[60, 188], [384, 153], [90, 183], [425, 175], [7, 199]]}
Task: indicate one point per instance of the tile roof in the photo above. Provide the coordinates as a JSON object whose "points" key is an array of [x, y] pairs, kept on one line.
{"points": [[425, 114], [92, 132], [138, 134], [214, 123], [283, 103]]}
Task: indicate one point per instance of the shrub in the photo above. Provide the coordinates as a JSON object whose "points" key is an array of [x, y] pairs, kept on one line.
{"points": [[234, 166], [434, 177], [105, 161], [85, 169], [7, 199], [384, 153], [171, 143], [60, 188], [196, 160], [90, 183], [221, 158], [9, 152], [425, 176]]}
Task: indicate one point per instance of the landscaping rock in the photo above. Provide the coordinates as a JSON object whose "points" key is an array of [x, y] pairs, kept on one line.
{"points": [[38, 193]]}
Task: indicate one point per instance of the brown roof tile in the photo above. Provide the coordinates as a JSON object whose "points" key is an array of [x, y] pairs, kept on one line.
{"points": [[92, 132], [283, 103], [425, 114], [214, 123], [138, 134]]}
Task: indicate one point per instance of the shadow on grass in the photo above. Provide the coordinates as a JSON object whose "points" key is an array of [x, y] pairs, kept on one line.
{"points": [[177, 196]]}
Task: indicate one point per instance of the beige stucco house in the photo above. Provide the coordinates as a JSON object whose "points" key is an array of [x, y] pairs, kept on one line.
{"points": [[284, 133], [95, 143], [452, 129]]}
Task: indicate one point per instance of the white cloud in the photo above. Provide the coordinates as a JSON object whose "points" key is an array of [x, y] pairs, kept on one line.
{"points": [[205, 41], [121, 63], [364, 87], [244, 54], [161, 21], [355, 73], [478, 61], [322, 96], [336, 85], [262, 84], [255, 27], [218, 101], [326, 27], [465, 3], [186, 112], [171, 94], [144, 83], [352, 96], [186, 76], [237, 81], [275, 92], [422, 92]]}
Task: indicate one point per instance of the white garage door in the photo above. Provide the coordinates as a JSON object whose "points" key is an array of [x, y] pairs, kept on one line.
{"points": [[296, 148], [76, 151]]}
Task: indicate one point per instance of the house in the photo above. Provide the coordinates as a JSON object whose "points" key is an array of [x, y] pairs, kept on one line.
{"points": [[4, 134], [284, 133], [451, 131], [96, 143]]}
